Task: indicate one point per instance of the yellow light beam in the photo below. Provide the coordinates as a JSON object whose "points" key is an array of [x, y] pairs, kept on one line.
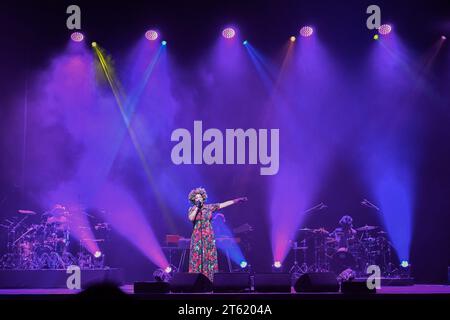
{"points": [[116, 92]]}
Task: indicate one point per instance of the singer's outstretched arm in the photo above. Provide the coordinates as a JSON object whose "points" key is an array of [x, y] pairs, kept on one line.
{"points": [[231, 202]]}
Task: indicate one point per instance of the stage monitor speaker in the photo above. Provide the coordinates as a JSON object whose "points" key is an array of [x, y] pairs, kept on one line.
{"points": [[273, 282], [151, 287], [231, 282], [317, 282], [190, 282], [357, 286]]}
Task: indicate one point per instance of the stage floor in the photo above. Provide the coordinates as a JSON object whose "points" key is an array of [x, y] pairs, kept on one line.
{"points": [[389, 292]]}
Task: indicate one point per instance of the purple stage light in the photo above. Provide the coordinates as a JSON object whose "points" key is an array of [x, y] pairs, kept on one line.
{"points": [[277, 264], [77, 36], [168, 269], [126, 216], [443, 37], [228, 33], [161, 275], [97, 254], [80, 227], [231, 248], [151, 35], [385, 29], [306, 31]]}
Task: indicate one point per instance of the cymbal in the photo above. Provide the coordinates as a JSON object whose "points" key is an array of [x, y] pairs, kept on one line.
{"points": [[321, 231], [299, 248], [93, 240], [26, 212], [367, 228]]}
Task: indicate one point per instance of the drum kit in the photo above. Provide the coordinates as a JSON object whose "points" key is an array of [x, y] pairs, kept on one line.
{"points": [[324, 251], [45, 244]]}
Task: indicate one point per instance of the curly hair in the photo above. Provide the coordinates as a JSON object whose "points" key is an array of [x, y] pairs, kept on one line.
{"points": [[196, 191], [346, 221]]}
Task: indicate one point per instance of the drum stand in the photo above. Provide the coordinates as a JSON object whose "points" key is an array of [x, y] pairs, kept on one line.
{"points": [[320, 257], [296, 267]]}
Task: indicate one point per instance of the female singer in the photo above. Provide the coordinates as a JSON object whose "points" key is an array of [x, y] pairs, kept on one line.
{"points": [[203, 255]]}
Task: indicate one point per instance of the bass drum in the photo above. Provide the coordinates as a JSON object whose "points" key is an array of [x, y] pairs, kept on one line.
{"points": [[342, 260]]}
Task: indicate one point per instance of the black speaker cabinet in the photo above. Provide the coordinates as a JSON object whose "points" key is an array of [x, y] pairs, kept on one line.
{"points": [[231, 282], [317, 282], [273, 282], [358, 286], [190, 282]]}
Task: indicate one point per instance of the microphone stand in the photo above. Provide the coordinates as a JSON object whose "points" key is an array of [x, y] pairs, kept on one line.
{"points": [[318, 207], [369, 204]]}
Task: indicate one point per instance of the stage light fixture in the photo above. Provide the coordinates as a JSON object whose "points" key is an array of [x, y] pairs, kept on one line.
{"points": [[277, 264], [168, 269], [161, 275], [443, 37], [151, 35], [228, 33], [94, 44], [97, 254], [245, 42], [375, 37], [77, 36], [243, 264], [385, 29], [164, 42], [292, 39], [405, 269], [306, 31]]}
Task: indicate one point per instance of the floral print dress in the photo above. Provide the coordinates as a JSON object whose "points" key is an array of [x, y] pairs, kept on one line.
{"points": [[203, 253]]}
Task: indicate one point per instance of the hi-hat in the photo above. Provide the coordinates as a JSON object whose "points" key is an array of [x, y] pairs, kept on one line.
{"points": [[27, 212], [367, 228]]}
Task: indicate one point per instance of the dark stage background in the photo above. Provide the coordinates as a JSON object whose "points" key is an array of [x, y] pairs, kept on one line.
{"points": [[355, 122]]}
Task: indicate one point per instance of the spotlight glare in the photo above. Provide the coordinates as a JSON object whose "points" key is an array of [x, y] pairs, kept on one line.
{"points": [[94, 44], [151, 35], [245, 42], [164, 42], [228, 33], [77, 36], [243, 264], [404, 264], [161, 275], [168, 269], [385, 29], [292, 38], [277, 264], [97, 254], [375, 37], [306, 31], [443, 37]]}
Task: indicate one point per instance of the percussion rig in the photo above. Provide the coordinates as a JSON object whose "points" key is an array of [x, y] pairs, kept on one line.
{"points": [[42, 241], [322, 251]]}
